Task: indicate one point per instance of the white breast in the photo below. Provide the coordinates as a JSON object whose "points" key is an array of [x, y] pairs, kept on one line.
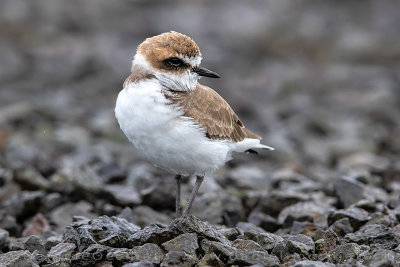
{"points": [[159, 131]]}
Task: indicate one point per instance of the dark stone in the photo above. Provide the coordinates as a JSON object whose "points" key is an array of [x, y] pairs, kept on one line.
{"points": [[30, 179], [22, 258], [120, 256], [275, 202], [158, 195], [61, 252], [307, 263], [302, 211], [344, 252], [329, 242], [192, 224], [143, 216], [373, 234], [266, 240], [178, 258], [249, 257], [184, 242], [149, 252], [24, 205], [121, 195], [246, 226], [301, 244], [112, 173], [154, 233], [89, 257], [33, 243], [342, 227], [348, 191], [381, 257], [210, 259], [356, 216], [247, 245], [222, 250], [265, 221], [230, 233], [4, 239], [139, 264]]}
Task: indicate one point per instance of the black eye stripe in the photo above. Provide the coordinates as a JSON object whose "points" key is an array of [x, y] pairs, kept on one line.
{"points": [[174, 62]]}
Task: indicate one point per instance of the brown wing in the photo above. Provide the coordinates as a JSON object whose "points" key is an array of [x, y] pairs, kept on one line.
{"points": [[211, 112]]}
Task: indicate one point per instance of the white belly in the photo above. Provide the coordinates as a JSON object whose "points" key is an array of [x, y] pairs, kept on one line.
{"points": [[163, 136]]}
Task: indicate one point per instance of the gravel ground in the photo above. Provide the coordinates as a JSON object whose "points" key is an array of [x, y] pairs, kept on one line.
{"points": [[320, 81]]}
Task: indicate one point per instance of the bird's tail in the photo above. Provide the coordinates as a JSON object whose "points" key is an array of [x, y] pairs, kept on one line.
{"points": [[261, 146]]}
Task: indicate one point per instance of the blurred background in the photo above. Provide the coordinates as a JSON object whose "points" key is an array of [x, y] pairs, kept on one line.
{"points": [[318, 80]]}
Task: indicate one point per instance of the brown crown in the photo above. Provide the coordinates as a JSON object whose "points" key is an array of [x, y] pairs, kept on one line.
{"points": [[170, 44]]}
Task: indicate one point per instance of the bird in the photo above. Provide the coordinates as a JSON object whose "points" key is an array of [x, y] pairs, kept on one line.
{"points": [[178, 124]]}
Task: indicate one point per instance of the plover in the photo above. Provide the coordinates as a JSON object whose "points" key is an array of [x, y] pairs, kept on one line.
{"points": [[177, 123]]}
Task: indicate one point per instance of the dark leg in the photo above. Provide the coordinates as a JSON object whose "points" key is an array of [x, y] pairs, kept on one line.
{"points": [[199, 180], [178, 179]]}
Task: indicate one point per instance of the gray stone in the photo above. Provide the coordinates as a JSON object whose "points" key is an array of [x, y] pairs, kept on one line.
{"points": [[249, 257], [4, 239], [344, 252], [192, 224], [266, 240], [275, 202], [120, 256], [62, 215], [122, 195], [20, 258], [61, 252], [52, 241], [342, 227], [184, 242], [381, 258], [246, 226], [265, 221], [210, 259], [30, 179], [154, 233], [302, 211], [216, 247], [178, 258], [349, 191], [373, 234], [313, 264], [230, 233], [24, 204], [144, 215], [139, 264], [301, 244], [356, 216], [149, 252], [89, 257], [329, 242], [247, 245], [33, 243]]}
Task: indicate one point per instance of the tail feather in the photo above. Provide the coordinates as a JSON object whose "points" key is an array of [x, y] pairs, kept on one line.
{"points": [[261, 146]]}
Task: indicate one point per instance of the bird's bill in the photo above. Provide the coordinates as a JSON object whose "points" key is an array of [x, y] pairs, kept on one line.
{"points": [[205, 72]]}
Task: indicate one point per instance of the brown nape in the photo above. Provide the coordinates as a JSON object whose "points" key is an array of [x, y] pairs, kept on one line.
{"points": [[138, 74], [210, 111], [167, 45]]}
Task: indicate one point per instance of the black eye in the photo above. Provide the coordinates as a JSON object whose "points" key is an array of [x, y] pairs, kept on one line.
{"points": [[174, 61]]}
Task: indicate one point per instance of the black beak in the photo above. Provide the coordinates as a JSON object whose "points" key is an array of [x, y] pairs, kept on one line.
{"points": [[205, 72]]}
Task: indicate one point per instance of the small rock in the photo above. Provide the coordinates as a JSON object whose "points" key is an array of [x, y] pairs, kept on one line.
{"points": [[210, 259], [149, 252], [30, 179], [356, 216], [178, 258], [52, 241], [275, 202], [154, 233], [62, 215], [139, 264], [329, 242], [122, 195], [33, 243], [120, 256], [143, 216], [24, 205], [342, 227], [313, 264], [266, 240], [112, 173], [192, 224], [230, 233], [344, 252], [349, 191], [89, 257], [158, 195], [381, 257], [61, 252], [250, 257], [4, 239], [18, 258], [302, 211], [373, 234], [53, 200], [247, 245], [185, 242], [222, 250], [36, 226], [266, 222], [246, 226], [301, 244]]}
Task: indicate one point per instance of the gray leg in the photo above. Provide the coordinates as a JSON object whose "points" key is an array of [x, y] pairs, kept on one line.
{"points": [[178, 179], [199, 180]]}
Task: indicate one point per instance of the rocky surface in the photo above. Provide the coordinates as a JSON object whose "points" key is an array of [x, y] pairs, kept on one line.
{"points": [[318, 80]]}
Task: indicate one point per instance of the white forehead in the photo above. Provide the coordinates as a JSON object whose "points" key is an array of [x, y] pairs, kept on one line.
{"points": [[192, 61]]}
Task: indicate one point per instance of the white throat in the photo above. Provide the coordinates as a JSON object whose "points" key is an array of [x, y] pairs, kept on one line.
{"points": [[178, 82]]}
